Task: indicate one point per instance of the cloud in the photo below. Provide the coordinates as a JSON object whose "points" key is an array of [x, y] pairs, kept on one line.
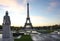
{"points": [[52, 5], [12, 5], [25, 1], [37, 19]]}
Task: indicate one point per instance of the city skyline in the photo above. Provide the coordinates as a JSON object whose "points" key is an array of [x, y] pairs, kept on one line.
{"points": [[42, 12]]}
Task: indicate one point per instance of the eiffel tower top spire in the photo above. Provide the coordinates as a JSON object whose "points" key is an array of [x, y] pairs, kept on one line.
{"points": [[27, 9]]}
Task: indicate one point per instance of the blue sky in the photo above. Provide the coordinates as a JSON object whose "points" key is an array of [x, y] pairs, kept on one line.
{"points": [[42, 12]]}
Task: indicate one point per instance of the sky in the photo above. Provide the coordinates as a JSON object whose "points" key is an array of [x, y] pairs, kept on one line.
{"points": [[42, 12]]}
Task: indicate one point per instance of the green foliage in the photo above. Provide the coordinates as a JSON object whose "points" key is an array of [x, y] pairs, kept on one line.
{"points": [[24, 38]]}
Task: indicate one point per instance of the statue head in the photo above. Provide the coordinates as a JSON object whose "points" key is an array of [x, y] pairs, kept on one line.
{"points": [[6, 13]]}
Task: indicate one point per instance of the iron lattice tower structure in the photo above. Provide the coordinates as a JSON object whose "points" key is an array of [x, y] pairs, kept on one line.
{"points": [[28, 21]]}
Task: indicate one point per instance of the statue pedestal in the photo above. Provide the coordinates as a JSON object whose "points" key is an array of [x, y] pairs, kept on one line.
{"points": [[7, 34]]}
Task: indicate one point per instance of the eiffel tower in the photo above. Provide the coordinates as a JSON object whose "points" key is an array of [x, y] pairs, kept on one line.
{"points": [[28, 21]]}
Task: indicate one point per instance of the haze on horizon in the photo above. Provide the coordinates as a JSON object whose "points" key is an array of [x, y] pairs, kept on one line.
{"points": [[42, 12]]}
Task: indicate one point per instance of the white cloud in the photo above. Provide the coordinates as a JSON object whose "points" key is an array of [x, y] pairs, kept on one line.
{"points": [[52, 5], [25, 1], [37, 20], [12, 5]]}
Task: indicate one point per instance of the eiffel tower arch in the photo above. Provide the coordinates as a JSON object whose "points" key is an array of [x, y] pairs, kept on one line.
{"points": [[28, 23]]}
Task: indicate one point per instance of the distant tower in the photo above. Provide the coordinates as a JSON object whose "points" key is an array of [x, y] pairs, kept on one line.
{"points": [[7, 34], [28, 22]]}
